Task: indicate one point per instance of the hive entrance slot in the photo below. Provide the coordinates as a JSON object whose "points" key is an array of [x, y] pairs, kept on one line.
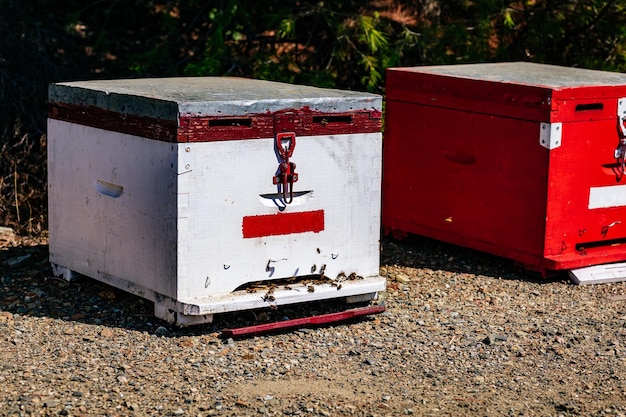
{"points": [[324, 120], [285, 283], [239, 122], [589, 106], [586, 246]]}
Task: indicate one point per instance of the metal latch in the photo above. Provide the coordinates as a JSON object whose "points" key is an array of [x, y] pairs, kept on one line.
{"points": [[620, 152], [621, 114], [286, 174]]}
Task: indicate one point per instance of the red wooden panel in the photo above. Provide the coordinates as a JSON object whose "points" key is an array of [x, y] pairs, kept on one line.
{"points": [[509, 100], [283, 223], [477, 177], [576, 234]]}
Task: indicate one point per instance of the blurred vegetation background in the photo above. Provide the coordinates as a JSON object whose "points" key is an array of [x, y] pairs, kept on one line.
{"points": [[340, 44]]}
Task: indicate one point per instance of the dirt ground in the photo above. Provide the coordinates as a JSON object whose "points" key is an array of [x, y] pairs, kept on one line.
{"points": [[464, 333]]}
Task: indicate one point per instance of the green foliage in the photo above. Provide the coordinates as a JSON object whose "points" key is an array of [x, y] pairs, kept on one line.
{"points": [[342, 44]]}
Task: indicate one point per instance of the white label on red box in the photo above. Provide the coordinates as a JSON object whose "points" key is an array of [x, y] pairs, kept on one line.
{"points": [[610, 196]]}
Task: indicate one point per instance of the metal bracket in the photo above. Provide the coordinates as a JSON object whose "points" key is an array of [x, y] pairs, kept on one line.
{"points": [[185, 159], [550, 135], [621, 114]]}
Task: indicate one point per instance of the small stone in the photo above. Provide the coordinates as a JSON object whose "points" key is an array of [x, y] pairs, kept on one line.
{"points": [[107, 295], [493, 338], [106, 333], [17, 260], [161, 331], [186, 343], [179, 412], [5, 317], [402, 278]]}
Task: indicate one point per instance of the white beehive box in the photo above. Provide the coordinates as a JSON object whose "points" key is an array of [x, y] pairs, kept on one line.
{"points": [[171, 189]]}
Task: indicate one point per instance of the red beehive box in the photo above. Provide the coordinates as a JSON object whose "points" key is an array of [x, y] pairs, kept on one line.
{"points": [[520, 160]]}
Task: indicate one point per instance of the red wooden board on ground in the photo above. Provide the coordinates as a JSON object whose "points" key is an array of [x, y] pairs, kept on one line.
{"points": [[318, 320]]}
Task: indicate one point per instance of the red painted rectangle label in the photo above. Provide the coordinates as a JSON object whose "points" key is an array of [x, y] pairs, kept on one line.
{"points": [[283, 224]]}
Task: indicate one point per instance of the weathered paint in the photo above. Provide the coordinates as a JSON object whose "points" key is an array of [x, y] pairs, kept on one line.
{"points": [[303, 122], [188, 223]]}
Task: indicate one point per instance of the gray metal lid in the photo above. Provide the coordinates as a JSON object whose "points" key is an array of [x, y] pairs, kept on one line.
{"points": [[166, 98], [526, 73]]}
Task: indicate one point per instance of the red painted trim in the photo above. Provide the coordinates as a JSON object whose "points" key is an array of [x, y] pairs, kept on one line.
{"points": [[209, 129], [283, 224], [305, 122], [147, 127], [302, 322], [302, 122]]}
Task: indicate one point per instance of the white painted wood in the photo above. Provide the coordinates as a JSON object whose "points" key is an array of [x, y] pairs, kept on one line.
{"points": [[131, 236], [608, 196], [599, 274], [164, 220], [343, 173]]}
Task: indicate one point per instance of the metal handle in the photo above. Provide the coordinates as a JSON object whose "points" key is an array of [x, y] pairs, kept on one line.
{"points": [[286, 176], [620, 152], [289, 139], [621, 119]]}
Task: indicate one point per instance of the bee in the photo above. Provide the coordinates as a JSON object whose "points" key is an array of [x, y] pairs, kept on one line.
{"points": [[322, 270], [310, 288], [269, 295]]}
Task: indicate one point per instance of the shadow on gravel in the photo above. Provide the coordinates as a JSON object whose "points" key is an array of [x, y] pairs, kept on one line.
{"points": [[29, 288], [421, 252]]}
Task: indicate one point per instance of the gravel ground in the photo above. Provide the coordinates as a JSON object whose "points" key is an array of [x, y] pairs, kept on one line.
{"points": [[463, 334]]}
